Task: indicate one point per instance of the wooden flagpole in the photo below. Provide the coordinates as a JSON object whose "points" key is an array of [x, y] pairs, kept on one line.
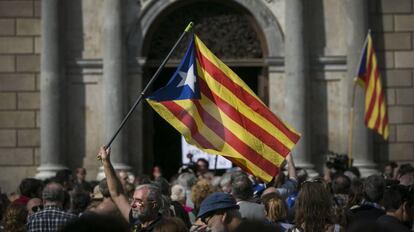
{"points": [[351, 123], [352, 111]]}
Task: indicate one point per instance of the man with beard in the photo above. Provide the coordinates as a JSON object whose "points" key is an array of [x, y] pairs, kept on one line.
{"points": [[142, 213]]}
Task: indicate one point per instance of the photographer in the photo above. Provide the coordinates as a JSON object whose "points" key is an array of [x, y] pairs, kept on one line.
{"points": [[335, 164]]}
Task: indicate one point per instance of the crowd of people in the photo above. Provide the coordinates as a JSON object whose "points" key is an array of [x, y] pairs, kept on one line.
{"points": [[197, 199]]}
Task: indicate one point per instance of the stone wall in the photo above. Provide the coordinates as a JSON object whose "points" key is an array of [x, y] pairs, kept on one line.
{"points": [[392, 24], [391, 21], [19, 90]]}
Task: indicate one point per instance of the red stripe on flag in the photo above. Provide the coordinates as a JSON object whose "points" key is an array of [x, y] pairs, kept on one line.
{"points": [[189, 122], [227, 135], [368, 113], [243, 121], [244, 96], [379, 118]]}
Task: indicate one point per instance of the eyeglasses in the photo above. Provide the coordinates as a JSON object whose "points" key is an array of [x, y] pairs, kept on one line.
{"points": [[205, 220], [140, 202], [37, 208]]}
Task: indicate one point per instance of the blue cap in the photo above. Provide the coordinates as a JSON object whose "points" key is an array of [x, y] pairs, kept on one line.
{"points": [[216, 201]]}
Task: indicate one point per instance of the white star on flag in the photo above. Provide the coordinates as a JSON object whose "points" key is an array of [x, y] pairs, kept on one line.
{"points": [[188, 78]]}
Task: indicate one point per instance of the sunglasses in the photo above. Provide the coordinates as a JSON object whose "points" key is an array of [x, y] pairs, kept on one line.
{"points": [[37, 208]]}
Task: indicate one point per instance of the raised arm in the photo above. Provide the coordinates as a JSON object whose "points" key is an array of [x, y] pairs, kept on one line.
{"points": [[114, 185], [291, 167]]}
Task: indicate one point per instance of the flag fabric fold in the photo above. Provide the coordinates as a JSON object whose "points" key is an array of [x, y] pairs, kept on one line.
{"points": [[217, 112], [369, 78]]}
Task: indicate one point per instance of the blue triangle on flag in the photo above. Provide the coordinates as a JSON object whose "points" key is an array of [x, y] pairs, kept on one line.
{"points": [[183, 83]]}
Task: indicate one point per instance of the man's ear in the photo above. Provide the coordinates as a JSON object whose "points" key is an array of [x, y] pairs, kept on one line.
{"points": [[154, 204], [405, 207], [226, 219]]}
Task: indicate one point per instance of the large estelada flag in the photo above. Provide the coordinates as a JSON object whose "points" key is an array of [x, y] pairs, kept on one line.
{"points": [[217, 112], [369, 78]]}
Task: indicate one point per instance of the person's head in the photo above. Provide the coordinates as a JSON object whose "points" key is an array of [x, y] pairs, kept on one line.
{"points": [[156, 172], [65, 178], [146, 202], [30, 187], [170, 224], [389, 169], [163, 185], [219, 211], [199, 192], [398, 201], [405, 174], [242, 188], [142, 179], [275, 207], [79, 201], [187, 180], [15, 218], [103, 188], [202, 165], [34, 205], [80, 174], [178, 194], [341, 184], [123, 177], [129, 189], [356, 193], [53, 194], [225, 182], [374, 186], [313, 206]]}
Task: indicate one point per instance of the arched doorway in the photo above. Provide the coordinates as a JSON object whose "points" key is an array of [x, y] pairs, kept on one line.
{"points": [[230, 31]]}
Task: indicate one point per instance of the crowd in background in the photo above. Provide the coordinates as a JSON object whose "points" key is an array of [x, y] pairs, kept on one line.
{"points": [[197, 199]]}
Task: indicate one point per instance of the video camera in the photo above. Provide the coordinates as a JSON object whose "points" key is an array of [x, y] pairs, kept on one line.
{"points": [[339, 162]]}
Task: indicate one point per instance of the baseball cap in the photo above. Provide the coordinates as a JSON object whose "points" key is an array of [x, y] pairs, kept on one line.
{"points": [[216, 201]]}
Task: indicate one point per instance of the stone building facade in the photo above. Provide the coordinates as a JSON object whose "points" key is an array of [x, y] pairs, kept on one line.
{"points": [[69, 71]]}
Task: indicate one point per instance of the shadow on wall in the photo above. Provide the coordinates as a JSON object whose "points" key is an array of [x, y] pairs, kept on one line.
{"points": [[75, 88], [376, 24], [317, 105]]}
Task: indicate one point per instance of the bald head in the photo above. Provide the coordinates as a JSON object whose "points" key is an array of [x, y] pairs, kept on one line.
{"points": [[53, 193]]}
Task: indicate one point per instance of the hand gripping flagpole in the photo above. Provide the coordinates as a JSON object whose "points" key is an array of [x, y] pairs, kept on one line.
{"points": [[153, 78]]}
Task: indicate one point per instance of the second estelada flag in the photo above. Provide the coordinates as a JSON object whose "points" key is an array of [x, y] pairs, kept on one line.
{"points": [[369, 78], [217, 112]]}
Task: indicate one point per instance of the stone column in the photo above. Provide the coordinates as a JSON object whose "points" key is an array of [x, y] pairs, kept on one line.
{"points": [[113, 84], [52, 86], [296, 80], [356, 31]]}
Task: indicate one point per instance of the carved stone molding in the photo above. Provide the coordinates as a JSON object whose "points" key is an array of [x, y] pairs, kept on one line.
{"points": [[227, 32]]}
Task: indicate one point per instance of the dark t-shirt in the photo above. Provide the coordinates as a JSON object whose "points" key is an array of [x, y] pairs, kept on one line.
{"points": [[392, 224], [364, 213], [135, 223]]}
